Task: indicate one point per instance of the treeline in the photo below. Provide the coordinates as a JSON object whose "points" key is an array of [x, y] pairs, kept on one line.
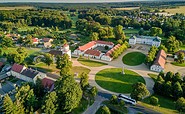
{"points": [[151, 55], [119, 50], [43, 18]]}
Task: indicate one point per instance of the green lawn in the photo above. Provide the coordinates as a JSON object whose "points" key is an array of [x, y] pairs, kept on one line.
{"points": [[153, 76], [166, 105], [131, 31], [80, 69], [90, 63], [113, 80], [178, 64], [134, 58], [182, 47]]}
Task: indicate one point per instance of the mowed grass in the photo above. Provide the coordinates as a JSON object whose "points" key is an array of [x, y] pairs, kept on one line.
{"points": [[128, 8], [134, 58], [112, 79], [153, 76], [80, 69], [90, 63], [17, 7], [166, 105], [182, 47], [180, 9], [178, 64]]}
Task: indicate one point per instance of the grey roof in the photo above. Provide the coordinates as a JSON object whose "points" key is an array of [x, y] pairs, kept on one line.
{"points": [[7, 88], [155, 38], [3, 76], [2, 92], [53, 76], [29, 73], [133, 37]]}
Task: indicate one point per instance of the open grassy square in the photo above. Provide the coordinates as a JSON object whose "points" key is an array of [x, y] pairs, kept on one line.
{"points": [[112, 79], [134, 58], [90, 63]]}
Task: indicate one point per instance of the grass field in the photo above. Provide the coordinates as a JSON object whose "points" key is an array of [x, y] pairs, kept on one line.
{"points": [[153, 76], [133, 58], [18, 7], [80, 69], [178, 64], [131, 31], [181, 9], [90, 63], [114, 80], [166, 105], [182, 47], [128, 8]]}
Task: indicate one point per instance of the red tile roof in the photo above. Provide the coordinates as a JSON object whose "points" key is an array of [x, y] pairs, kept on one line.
{"points": [[161, 58], [47, 83], [112, 50], [17, 68], [87, 46], [93, 52], [35, 40], [104, 42]]}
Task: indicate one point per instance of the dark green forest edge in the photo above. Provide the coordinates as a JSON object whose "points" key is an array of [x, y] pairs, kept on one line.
{"points": [[90, 22]]}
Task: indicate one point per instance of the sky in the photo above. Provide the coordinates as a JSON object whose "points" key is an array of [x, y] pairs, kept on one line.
{"points": [[71, 1]]}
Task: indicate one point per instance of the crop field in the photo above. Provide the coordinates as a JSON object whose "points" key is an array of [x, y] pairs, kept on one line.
{"points": [[180, 9], [128, 8], [17, 7]]}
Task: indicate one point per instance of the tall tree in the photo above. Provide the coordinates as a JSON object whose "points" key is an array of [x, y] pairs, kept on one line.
{"points": [[8, 105], [119, 34], [94, 36], [50, 103], [28, 40], [180, 104], [180, 57], [6, 42], [48, 59], [69, 93], [172, 44], [155, 31], [139, 91], [84, 80]]}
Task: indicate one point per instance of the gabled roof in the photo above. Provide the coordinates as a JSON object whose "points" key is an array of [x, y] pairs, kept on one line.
{"points": [[87, 46], [104, 42], [29, 73], [17, 68], [160, 59], [35, 39], [112, 50], [93, 52], [55, 52], [52, 76], [46, 39], [47, 83]]}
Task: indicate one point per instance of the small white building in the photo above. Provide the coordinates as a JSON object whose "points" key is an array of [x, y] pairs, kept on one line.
{"points": [[160, 62], [149, 40], [93, 54]]}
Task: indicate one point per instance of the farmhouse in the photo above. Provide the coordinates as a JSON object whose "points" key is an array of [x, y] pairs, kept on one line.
{"points": [[97, 49], [160, 61], [47, 42], [149, 40]]}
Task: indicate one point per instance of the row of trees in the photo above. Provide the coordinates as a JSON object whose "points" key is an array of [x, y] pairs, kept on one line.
{"points": [[151, 55], [120, 50]]}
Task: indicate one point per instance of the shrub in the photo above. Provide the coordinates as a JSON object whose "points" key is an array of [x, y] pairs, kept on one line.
{"points": [[154, 100], [105, 110]]}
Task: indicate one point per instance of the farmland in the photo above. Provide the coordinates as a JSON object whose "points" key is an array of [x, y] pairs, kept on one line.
{"points": [[17, 7], [180, 9]]}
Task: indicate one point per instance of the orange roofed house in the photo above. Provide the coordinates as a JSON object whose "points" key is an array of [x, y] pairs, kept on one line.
{"points": [[160, 61]]}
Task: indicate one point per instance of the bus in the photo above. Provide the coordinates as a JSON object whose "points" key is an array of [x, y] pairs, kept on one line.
{"points": [[127, 99]]}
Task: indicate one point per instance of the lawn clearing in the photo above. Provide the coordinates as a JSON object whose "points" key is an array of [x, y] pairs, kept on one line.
{"points": [[131, 31], [17, 7], [112, 79], [178, 64], [126, 8], [166, 105], [182, 47], [80, 69], [90, 63], [134, 58], [180, 9], [153, 76]]}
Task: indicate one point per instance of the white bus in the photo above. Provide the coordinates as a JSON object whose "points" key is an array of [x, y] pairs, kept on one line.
{"points": [[127, 99]]}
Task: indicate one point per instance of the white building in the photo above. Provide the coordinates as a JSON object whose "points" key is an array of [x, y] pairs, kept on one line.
{"points": [[160, 62], [149, 40]]}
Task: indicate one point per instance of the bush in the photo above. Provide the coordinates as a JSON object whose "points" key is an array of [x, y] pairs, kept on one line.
{"points": [[114, 99], [154, 100], [106, 47], [122, 103], [105, 110]]}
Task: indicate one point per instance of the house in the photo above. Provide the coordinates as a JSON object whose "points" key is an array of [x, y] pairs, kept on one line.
{"points": [[177, 53], [51, 76], [35, 41], [63, 50], [6, 68], [149, 40], [47, 42], [107, 56], [48, 84], [91, 45], [17, 69], [93, 54], [160, 61]]}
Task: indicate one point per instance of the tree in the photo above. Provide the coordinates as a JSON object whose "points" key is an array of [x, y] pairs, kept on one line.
{"points": [[94, 36], [69, 93], [50, 103], [119, 34], [105, 110], [154, 100], [172, 44], [94, 91], [177, 78], [28, 40], [6, 42], [1, 52], [139, 91], [169, 76], [177, 90], [180, 57], [8, 105], [48, 59], [162, 47], [180, 104], [155, 31], [114, 99], [84, 80]]}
